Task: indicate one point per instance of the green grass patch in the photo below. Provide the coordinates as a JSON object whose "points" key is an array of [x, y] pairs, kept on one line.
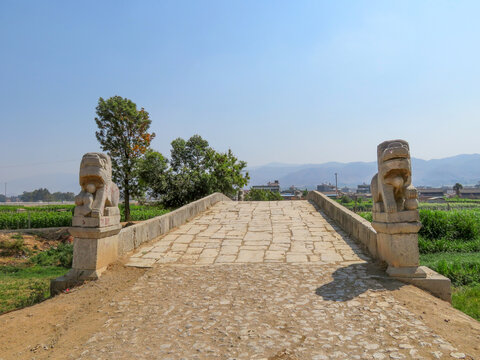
{"points": [[427, 246], [22, 286], [460, 268], [467, 300], [463, 269]]}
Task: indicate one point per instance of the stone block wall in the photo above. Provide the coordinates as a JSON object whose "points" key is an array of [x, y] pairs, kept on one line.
{"points": [[133, 236], [354, 225]]}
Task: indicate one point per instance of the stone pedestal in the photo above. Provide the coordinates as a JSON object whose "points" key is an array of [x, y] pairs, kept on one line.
{"points": [[397, 241], [397, 245], [93, 250], [112, 217]]}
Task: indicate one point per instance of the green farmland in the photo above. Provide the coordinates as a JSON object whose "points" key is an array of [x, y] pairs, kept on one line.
{"points": [[449, 243], [34, 217]]}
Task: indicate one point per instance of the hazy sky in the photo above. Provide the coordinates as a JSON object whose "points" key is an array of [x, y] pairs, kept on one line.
{"points": [[275, 81]]}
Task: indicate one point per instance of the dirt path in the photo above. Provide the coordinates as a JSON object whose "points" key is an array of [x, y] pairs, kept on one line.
{"points": [[260, 287], [54, 327]]}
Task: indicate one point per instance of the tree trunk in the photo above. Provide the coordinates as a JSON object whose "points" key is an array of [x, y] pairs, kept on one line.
{"points": [[126, 193]]}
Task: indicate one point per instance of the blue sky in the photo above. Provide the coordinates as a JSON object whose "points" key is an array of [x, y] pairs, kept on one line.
{"points": [[275, 81]]}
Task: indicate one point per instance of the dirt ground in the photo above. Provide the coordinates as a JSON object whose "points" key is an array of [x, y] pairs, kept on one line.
{"points": [[55, 328], [52, 328]]}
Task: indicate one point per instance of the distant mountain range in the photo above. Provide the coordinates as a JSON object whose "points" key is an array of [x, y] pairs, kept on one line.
{"points": [[464, 169]]}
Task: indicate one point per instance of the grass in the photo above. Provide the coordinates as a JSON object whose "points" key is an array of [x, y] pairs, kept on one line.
{"points": [[463, 269], [28, 283], [449, 243], [467, 300], [22, 286]]}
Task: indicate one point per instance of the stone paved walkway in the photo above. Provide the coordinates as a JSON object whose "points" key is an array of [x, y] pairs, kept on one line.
{"points": [[253, 232], [260, 281]]}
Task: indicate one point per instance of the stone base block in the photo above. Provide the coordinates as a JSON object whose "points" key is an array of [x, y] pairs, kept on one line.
{"points": [[410, 272], [73, 278], [91, 222], [436, 284], [90, 254], [398, 250], [397, 217], [396, 228]]}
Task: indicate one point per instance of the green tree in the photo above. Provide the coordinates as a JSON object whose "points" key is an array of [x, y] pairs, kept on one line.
{"points": [[457, 187], [123, 134], [36, 195], [153, 173], [227, 173], [196, 170]]}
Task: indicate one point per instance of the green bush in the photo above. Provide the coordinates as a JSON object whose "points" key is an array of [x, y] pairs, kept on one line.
{"points": [[62, 255], [366, 215], [427, 246], [452, 225]]}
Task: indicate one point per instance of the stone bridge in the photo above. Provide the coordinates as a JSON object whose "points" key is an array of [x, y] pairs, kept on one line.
{"points": [[266, 280]]}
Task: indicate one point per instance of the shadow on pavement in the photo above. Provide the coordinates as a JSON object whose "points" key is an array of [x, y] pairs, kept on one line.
{"points": [[353, 280]]}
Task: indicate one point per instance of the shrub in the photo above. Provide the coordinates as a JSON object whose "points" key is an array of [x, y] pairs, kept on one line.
{"points": [[366, 215], [13, 248], [452, 225], [62, 255]]}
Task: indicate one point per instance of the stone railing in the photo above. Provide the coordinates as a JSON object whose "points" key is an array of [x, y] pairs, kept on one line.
{"points": [[131, 237], [95, 248], [362, 231], [354, 225]]}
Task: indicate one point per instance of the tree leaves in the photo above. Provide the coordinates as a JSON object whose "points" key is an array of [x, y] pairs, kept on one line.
{"points": [[123, 134]]}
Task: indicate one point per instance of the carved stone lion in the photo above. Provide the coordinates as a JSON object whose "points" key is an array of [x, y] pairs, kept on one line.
{"points": [[99, 196], [392, 188]]}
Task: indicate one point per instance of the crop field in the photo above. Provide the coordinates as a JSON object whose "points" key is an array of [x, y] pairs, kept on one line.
{"points": [[449, 243], [34, 217], [364, 205]]}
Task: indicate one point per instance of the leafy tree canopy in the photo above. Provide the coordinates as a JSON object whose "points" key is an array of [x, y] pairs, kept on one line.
{"points": [[123, 134], [45, 195], [194, 171]]}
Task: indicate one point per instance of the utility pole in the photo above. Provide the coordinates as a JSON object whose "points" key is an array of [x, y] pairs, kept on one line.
{"points": [[5, 191], [336, 186]]}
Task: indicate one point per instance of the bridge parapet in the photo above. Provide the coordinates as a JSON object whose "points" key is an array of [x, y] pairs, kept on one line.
{"points": [[99, 239], [392, 237]]}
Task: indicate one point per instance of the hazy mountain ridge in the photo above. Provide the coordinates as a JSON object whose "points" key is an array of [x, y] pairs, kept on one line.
{"points": [[464, 168]]}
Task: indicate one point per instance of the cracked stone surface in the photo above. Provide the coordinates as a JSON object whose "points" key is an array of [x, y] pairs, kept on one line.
{"points": [[273, 280], [253, 232]]}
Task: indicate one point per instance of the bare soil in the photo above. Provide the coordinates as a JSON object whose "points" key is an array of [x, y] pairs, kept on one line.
{"points": [[51, 329], [55, 328]]}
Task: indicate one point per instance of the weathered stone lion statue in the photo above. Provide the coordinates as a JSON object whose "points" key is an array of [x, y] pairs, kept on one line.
{"points": [[392, 188], [99, 196]]}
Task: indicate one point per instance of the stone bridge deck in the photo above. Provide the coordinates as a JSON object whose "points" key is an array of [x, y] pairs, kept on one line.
{"points": [[262, 280], [254, 232]]}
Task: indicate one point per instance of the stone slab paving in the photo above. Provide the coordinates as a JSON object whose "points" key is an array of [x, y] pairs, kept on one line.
{"points": [[249, 281], [253, 232]]}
